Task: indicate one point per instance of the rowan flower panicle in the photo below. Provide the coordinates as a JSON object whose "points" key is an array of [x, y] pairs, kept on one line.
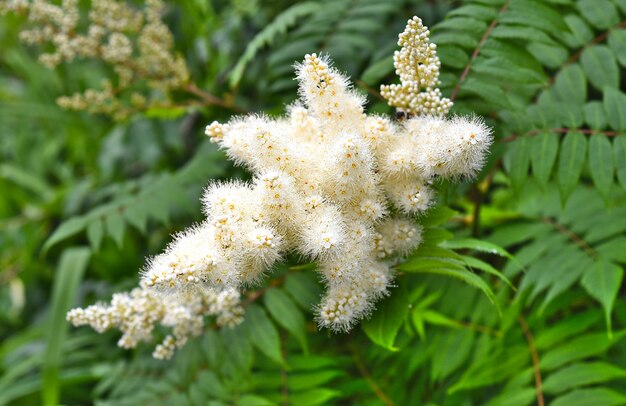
{"points": [[337, 186], [134, 43]]}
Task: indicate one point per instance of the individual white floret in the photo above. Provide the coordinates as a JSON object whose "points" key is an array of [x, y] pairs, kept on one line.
{"points": [[469, 140], [342, 307], [323, 233], [233, 199], [397, 235], [412, 196]]}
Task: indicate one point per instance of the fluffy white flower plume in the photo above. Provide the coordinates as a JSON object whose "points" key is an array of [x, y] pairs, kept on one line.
{"points": [[330, 183]]}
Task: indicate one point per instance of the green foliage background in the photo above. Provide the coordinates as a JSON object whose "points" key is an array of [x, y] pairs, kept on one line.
{"points": [[84, 200]]}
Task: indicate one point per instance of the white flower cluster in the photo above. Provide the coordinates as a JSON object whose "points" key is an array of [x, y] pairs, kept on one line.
{"points": [[136, 313], [330, 183], [134, 43], [418, 65]]}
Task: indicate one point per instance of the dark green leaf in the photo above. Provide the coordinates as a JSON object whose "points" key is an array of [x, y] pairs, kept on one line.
{"points": [[600, 67], [591, 396], [601, 163], [387, 319], [603, 282], [286, 313], [544, 148], [581, 374], [263, 334], [615, 108], [571, 160]]}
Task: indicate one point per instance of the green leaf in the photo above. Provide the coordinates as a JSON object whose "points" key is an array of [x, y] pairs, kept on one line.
{"points": [[68, 276], [65, 230], [423, 264], [518, 162], [263, 334], [521, 32], [544, 148], [572, 325], [617, 42], [477, 245], [476, 263], [492, 368], [136, 216], [474, 10], [580, 34], [377, 71], [466, 276], [590, 396], [619, 151], [552, 56], [437, 216], [303, 288], [254, 400], [387, 319], [579, 348], [602, 14], [116, 226], [603, 282], [571, 160], [463, 24], [307, 380], [535, 14], [453, 56], [313, 397], [95, 232], [601, 163], [485, 90], [278, 26], [600, 66], [501, 68], [615, 108], [570, 84], [594, 115], [581, 374], [286, 313]]}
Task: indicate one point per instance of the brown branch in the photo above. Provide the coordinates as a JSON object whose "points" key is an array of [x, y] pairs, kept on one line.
{"points": [[368, 378], [575, 238], [210, 99], [535, 358], [370, 89], [482, 41], [596, 40], [255, 295], [586, 131]]}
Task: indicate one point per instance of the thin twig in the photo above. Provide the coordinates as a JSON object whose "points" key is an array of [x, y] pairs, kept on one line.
{"points": [[210, 99], [369, 89], [368, 378], [255, 295], [575, 238], [586, 131], [482, 41], [596, 40], [535, 358]]}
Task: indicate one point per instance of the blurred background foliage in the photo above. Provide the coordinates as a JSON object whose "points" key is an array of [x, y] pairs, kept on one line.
{"points": [[85, 199]]}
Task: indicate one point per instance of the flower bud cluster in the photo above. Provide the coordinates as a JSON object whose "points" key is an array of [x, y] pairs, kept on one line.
{"points": [[136, 313], [134, 43], [418, 66]]}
